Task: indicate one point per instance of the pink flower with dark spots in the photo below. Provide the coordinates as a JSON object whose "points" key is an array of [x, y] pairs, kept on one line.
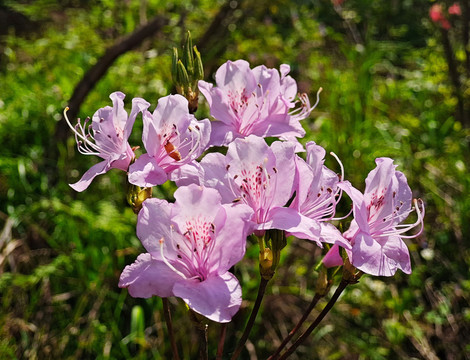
{"points": [[376, 232], [107, 137], [262, 177], [317, 194], [173, 138], [257, 101], [191, 246]]}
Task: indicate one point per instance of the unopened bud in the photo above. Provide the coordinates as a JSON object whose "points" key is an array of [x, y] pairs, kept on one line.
{"points": [[323, 282], [137, 195], [266, 263], [350, 273], [198, 68], [188, 59]]}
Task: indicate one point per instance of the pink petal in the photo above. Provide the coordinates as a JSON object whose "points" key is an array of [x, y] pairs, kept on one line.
{"points": [[194, 200], [146, 172], [332, 257], [234, 230], [138, 105], [148, 277], [294, 223], [88, 177], [217, 298], [153, 224]]}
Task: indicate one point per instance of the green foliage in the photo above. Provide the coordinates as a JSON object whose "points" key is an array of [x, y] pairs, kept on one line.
{"points": [[386, 92]]}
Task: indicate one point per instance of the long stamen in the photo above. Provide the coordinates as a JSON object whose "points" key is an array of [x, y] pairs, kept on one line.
{"points": [[403, 228], [82, 136], [162, 240]]}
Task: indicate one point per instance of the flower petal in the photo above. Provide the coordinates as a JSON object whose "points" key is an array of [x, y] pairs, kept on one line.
{"points": [[88, 177], [147, 277], [217, 298], [146, 172]]}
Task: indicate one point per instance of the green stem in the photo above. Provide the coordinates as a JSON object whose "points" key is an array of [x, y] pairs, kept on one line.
{"points": [[342, 285], [251, 320], [169, 325], [312, 305]]}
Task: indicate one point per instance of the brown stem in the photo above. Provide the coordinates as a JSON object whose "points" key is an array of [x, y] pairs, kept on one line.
{"points": [[310, 308], [342, 285], [454, 77], [220, 346], [201, 328], [466, 33], [251, 320], [169, 325], [97, 71]]}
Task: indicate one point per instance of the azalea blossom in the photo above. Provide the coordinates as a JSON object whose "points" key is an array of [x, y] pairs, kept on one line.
{"points": [[261, 177], [257, 101], [376, 232], [317, 194], [107, 137], [454, 9], [437, 16], [191, 246], [172, 137]]}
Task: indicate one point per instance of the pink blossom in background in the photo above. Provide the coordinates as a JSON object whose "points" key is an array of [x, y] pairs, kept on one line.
{"points": [[107, 137], [437, 16], [257, 101], [454, 9], [172, 137], [376, 233], [262, 177], [191, 246]]}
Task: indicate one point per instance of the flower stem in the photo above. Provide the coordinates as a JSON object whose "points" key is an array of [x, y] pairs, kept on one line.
{"points": [[201, 326], [169, 325], [220, 346], [251, 320], [312, 305], [342, 285]]}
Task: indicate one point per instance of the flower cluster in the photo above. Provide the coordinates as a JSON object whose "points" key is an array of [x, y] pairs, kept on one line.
{"points": [[253, 188]]}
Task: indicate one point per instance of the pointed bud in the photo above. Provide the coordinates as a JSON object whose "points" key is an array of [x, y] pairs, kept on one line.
{"points": [[174, 64], [198, 68], [182, 78], [188, 59]]}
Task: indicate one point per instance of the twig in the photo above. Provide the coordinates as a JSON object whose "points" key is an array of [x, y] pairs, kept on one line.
{"points": [[342, 285], [220, 346], [312, 305], [169, 325], [251, 320]]}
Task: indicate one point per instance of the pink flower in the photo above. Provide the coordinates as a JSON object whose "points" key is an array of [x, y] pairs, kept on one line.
{"points": [[435, 12], [317, 194], [173, 138], [191, 246], [107, 137], [454, 9], [376, 233], [261, 177], [255, 101], [437, 16]]}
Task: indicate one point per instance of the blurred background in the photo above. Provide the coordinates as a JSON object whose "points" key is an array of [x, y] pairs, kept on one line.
{"points": [[396, 82]]}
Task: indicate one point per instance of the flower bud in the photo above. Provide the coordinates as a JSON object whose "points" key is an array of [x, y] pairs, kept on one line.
{"points": [[187, 71], [266, 263], [137, 195]]}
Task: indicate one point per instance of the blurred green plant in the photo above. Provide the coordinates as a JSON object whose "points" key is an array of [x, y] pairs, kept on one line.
{"points": [[386, 93]]}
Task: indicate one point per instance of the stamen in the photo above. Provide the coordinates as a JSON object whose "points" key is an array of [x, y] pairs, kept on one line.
{"points": [[403, 228], [162, 240]]}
